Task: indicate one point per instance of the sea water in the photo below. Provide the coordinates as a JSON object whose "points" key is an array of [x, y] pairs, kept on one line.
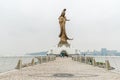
{"points": [[113, 60], [9, 63]]}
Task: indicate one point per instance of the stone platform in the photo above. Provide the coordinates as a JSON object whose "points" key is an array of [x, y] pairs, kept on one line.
{"points": [[61, 69]]}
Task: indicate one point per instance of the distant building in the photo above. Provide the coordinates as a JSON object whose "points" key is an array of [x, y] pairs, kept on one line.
{"points": [[96, 53], [112, 52], [103, 51]]}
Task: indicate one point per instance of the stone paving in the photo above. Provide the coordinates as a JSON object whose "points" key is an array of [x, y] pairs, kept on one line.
{"points": [[61, 69]]}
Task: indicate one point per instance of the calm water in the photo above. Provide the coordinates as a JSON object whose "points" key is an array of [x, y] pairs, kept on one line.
{"points": [[9, 63], [114, 61]]}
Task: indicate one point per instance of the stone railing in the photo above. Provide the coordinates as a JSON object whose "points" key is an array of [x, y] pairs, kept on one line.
{"points": [[92, 61], [40, 60]]}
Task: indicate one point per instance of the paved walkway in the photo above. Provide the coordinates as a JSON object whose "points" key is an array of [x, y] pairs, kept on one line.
{"points": [[61, 69]]}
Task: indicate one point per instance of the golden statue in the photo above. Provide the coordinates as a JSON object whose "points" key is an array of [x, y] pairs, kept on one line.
{"points": [[63, 36]]}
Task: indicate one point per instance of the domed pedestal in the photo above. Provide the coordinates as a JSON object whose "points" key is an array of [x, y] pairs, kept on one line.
{"points": [[58, 50]]}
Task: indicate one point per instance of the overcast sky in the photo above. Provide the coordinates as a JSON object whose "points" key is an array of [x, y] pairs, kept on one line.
{"points": [[32, 25]]}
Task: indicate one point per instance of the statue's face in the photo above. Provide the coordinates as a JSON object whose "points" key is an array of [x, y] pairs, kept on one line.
{"points": [[64, 9]]}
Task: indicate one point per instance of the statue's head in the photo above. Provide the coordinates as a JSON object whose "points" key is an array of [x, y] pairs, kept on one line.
{"points": [[64, 9], [63, 13]]}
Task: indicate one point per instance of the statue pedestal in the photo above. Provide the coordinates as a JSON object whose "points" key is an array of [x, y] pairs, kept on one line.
{"points": [[57, 50], [66, 45]]}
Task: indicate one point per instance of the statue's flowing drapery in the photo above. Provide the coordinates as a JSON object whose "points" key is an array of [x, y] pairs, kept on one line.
{"points": [[63, 35]]}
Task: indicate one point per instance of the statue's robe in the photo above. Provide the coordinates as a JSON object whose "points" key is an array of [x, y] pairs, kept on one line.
{"points": [[62, 35]]}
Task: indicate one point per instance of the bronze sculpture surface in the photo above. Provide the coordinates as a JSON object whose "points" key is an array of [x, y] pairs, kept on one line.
{"points": [[63, 36]]}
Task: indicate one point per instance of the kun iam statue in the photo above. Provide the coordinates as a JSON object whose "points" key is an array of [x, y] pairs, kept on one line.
{"points": [[63, 36]]}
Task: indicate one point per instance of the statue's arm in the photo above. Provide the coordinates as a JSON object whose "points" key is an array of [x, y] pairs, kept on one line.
{"points": [[67, 19]]}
